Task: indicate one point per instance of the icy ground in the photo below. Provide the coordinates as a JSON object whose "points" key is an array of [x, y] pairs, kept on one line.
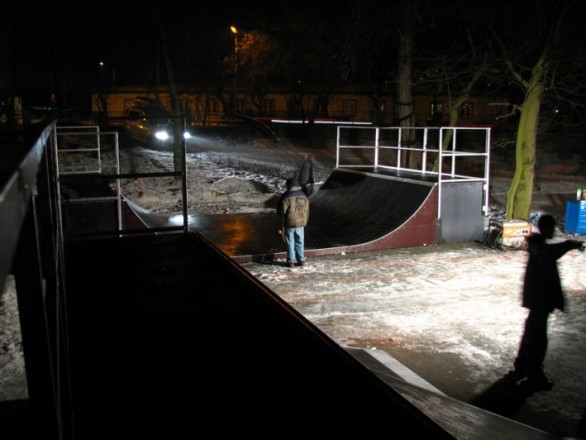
{"points": [[450, 313], [211, 188]]}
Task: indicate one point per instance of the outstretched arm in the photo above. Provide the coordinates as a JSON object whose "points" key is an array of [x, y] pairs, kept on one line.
{"points": [[559, 249]]}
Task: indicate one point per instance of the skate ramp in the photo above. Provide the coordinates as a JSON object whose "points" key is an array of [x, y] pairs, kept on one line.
{"points": [[353, 211], [359, 210]]}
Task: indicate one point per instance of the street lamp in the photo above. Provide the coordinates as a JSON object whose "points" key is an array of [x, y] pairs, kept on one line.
{"points": [[103, 66], [235, 32]]}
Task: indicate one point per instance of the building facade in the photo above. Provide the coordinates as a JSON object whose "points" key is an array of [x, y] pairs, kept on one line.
{"points": [[203, 108]]}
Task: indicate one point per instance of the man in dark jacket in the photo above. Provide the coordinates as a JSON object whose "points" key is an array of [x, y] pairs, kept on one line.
{"points": [[305, 175], [293, 206], [542, 294]]}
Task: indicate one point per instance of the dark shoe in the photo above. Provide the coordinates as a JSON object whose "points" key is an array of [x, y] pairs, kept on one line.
{"points": [[514, 376], [301, 263], [539, 382], [289, 264], [535, 386]]}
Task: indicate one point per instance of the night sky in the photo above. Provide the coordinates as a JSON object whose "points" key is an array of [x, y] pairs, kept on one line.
{"points": [[68, 38], [58, 45]]}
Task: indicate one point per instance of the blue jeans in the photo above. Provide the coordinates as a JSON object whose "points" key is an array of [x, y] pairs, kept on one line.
{"points": [[294, 238]]}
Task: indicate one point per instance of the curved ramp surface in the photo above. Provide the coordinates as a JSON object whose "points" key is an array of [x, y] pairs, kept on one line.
{"points": [[363, 210], [353, 211]]}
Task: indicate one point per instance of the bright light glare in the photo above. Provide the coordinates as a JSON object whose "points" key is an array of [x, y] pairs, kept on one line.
{"points": [[176, 220], [162, 135]]}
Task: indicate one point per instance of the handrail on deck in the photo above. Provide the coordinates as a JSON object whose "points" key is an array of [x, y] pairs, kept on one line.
{"points": [[424, 151], [88, 141]]}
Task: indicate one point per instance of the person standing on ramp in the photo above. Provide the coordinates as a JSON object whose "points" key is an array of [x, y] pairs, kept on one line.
{"points": [[293, 207], [305, 175]]}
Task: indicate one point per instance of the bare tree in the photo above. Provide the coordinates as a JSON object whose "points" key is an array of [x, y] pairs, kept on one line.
{"points": [[529, 57], [458, 75], [535, 79], [404, 102]]}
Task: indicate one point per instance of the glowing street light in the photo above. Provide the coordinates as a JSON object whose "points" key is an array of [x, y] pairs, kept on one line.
{"points": [[103, 66]]}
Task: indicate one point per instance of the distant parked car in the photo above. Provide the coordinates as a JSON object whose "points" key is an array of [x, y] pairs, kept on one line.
{"points": [[151, 125]]}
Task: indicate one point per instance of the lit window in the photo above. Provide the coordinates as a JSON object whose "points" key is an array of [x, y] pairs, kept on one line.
{"points": [[466, 110], [211, 106], [239, 105], [268, 106], [437, 108], [293, 108], [378, 105], [349, 107]]}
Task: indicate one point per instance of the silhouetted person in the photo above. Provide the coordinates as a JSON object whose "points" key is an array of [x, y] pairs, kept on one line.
{"points": [[293, 206], [542, 294], [305, 175]]}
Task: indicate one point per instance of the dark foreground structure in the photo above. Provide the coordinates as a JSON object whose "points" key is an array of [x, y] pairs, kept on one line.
{"points": [[163, 335]]}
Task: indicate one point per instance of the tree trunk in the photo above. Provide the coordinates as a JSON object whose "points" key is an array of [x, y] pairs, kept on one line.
{"points": [[178, 123], [404, 108], [520, 193]]}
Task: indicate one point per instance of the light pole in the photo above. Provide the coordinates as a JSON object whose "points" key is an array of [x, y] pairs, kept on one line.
{"points": [[235, 32]]}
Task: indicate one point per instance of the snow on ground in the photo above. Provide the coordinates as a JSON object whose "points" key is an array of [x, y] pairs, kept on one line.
{"points": [[451, 313], [13, 384], [211, 188]]}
